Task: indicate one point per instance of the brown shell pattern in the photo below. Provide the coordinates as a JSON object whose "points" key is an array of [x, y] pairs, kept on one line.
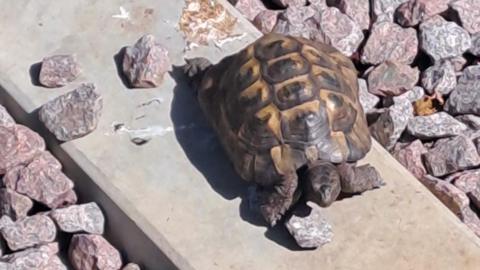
{"points": [[290, 93]]}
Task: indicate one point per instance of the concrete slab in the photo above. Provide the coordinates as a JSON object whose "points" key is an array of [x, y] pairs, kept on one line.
{"points": [[179, 189]]}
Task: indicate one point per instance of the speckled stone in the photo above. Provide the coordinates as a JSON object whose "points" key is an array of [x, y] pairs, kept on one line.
{"points": [[80, 218], [93, 252], [250, 8], [265, 20], [6, 119], [412, 95], [392, 79], [469, 13], [475, 48], [410, 156], [27, 232], [413, 12], [385, 8], [437, 125], [358, 10], [368, 100], [59, 70], [472, 121], [440, 78], [465, 99]]}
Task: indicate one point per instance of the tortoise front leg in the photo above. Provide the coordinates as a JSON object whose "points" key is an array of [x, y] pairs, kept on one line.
{"points": [[358, 179], [276, 200]]}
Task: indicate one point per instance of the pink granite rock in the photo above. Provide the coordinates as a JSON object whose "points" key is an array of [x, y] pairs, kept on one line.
{"points": [[466, 181], [469, 14], [441, 39], [43, 181], [465, 99], [93, 252], [358, 179], [392, 79], [74, 114], [27, 232], [299, 21], [265, 20], [451, 155], [474, 49], [414, 12], [368, 100], [146, 63], [311, 230], [131, 266], [6, 119], [389, 41], [440, 78], [291, 3], [457, 62], [80, 218], [14, 204], [59, 70], [410, 156], [412, 95], [18, 145], [390, 125], [385, 8], [250, 8], [472, 121], [358, 10], [38, 258], [340, 31], [437, 125]]}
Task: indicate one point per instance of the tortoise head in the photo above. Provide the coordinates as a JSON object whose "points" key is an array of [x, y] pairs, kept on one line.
{"points": [[321, 183]]}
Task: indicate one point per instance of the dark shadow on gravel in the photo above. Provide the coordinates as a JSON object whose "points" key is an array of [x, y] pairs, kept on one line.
{"points": [[118, 60], [34, 72]]}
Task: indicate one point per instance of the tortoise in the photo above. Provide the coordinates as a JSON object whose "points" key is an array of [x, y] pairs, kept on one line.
{"points": [[285, 109]]}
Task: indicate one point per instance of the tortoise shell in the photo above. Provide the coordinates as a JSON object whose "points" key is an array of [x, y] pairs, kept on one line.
{"points": [[282, 102]]}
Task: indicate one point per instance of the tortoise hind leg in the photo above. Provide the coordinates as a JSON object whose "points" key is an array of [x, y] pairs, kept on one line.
{"points": [[276, 200]]}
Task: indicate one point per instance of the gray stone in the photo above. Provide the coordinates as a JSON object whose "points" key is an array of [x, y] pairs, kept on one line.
{"points": [[412, 95], [340, 31], [299, 21], [80, 218], [59, 70], [410, 156], [146, 63], [39, 258], [457, 62], [475, 48], [413, 12], [6, 119], [250, 8], [386, 8], [465, 99], [358, 10], [437, 125], [13, 204], [28, 231], [93, 252], [291, 3], [74, 114], [266, 20], [131, 266], [441, 39], [389, 41], [469, 13], [368, 100], [451, 155], [439, 78], [392, 79], [391, 123], [311, 230], [472, 121]]}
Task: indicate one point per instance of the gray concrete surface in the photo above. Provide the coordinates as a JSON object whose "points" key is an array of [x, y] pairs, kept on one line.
{"points": [[178, 193]]}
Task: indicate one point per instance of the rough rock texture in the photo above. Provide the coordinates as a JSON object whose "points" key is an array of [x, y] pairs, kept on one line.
{"points": [[266, 20], [131, 266], [310, 230], [358, 10], [391, 123], [43, 181], [410, 156], [93, 252], [291, 3], [439, 78], [389, 41], [466, 181], [59, 70], [18, 145], [437, 125], [359, 179], [146, 63], [340, 31], [413, 95], [80, 218], [6, 119], [441, 39], [469, 13], [14, 204], [28, 231], [300, 21], [413, 12], [392, 79], [451, 155], [39, 258], [368, 101], [457, 62], [465, 99], [474, 49], [472, 121], [385, 8], [250, 8], [74, 114]]}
